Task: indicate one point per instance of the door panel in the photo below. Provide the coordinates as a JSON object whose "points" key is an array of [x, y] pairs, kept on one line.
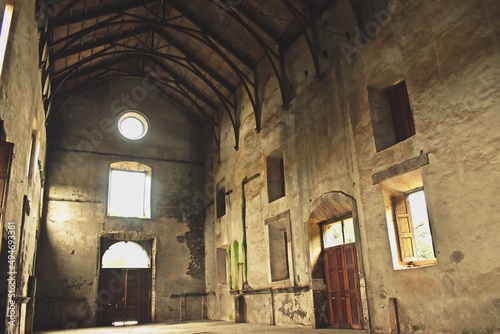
{"points": [[342, 283], [129, 294]]}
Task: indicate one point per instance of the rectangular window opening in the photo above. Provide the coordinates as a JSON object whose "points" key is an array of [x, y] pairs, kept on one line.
{"points": [[391, 114], [402, 118], [409, 225], [279, 247], [222, 265], [220, 199], [275, 177], [129, 193]]}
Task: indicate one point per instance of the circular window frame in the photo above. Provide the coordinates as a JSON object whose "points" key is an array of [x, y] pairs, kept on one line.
{"points": [[136, 115]]}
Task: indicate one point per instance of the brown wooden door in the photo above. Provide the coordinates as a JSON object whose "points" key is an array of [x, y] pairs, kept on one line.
{"points": [[342, 284], [128, 294]]}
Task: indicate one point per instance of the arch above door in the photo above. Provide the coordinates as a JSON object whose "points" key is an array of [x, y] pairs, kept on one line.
{"points": [[126, 254], [330, 206]]}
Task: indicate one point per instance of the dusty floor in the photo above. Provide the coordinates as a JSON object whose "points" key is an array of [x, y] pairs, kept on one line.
{"points": [[203, 327]]}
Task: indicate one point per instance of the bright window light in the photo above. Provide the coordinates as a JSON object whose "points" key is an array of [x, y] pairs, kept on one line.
{"points": [[133, 125], [4, 33], [126, 254], [125, 323], [421, 226], [127, 197], [338, 233]]}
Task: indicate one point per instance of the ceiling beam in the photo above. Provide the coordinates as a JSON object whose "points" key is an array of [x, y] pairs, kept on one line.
{"points": [[77, 65], [126, 56], [190, 32], [195, 60], [72, 50], [186, 64], [90, 69], [258, 22], [298, 15], [96, 13], [144, 29], [72, 37], [182, 81], [228, 46], [265, 47]]}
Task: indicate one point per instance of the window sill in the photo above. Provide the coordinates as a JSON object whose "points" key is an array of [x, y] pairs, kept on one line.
{"points": [[125, 217], [418, 264]]}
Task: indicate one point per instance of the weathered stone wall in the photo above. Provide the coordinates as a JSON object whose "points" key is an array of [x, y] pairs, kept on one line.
{"points": [[23, 114], [83, 143], [449, 55]]}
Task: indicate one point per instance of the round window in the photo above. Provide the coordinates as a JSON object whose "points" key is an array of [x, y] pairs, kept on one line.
{"points": [[133, 125]]}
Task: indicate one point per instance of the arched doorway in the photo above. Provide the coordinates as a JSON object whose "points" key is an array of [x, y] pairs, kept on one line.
{"points": [[338, 280], [124, 293]]}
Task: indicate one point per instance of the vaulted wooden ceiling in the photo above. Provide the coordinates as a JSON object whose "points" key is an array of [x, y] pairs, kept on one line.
{"points": [[197, 51]]}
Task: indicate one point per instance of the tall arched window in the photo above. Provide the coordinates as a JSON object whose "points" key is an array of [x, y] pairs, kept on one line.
{"points": [[129, 193]]}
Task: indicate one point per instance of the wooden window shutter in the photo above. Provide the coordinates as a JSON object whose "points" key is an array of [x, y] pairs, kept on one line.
{"points": [[6, 150], [402, 117], [404, 228]]}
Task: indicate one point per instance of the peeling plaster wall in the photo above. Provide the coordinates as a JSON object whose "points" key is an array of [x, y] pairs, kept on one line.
{"points": [[449, 54], [83, 143], [22, 111]]}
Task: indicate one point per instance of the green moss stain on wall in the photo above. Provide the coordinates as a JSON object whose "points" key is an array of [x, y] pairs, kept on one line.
{"points": [[243, 220], [230, 269], [236, 256]]}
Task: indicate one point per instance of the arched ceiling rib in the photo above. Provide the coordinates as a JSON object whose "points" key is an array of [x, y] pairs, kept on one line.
{"points": [[199, 51]]}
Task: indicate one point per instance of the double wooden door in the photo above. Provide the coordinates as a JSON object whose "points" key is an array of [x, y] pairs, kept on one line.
{"points": [[128, 294], [342, 283]]}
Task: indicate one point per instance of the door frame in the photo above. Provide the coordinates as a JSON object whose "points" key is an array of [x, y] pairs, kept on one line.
{"points": [[135, 237], [332, 206]]}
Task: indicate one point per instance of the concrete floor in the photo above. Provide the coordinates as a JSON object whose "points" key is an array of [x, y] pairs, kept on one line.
{"points": [[203, 327]]}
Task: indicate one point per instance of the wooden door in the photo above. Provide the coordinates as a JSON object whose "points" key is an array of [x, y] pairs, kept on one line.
{"points": [[129, 296], [342, 284]]}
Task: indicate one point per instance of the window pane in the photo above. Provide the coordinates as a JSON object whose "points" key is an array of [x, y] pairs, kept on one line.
{"points": [[349, 231], [127, 190], [332, 235], [421, 227]]}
